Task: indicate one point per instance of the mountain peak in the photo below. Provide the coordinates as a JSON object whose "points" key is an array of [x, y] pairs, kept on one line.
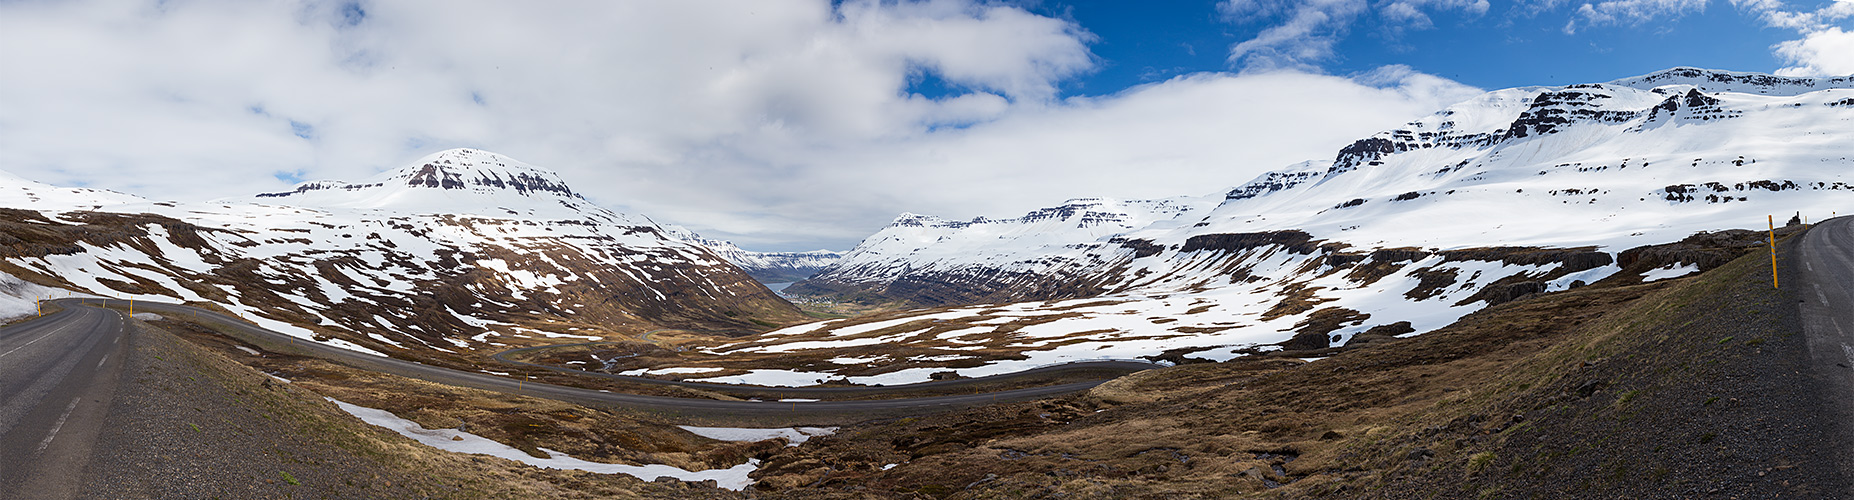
{"points": [[1715, 80], [472, 168], [456, 180]]}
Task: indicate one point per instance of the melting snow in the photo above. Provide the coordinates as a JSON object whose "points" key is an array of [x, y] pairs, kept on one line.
{"points": [[733, 478], [795, 435], [1669, 272]]}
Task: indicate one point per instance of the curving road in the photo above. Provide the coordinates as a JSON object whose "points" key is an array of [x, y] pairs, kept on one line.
{"points": [[58, 375], [1824, 260], [687, 407]]}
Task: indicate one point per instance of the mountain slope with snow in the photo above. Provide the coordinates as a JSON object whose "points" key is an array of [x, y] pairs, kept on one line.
{"points": [[461, 250], [933, 261], [1513, 192], [1606, 165], [767, 267]]}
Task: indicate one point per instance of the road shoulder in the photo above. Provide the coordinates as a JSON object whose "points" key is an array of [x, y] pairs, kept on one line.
{"points": [[190, 423]]}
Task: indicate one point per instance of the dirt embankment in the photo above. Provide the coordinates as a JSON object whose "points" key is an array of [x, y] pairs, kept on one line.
{"points": [[193, 423], [1680, 388]]}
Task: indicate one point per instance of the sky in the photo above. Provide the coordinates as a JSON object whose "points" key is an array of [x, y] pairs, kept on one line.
{"points": [[799, 124]]}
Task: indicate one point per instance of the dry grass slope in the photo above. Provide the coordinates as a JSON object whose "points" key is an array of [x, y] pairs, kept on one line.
{"points": [[1669, 389]]}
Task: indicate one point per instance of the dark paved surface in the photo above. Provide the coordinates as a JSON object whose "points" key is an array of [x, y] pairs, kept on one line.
{"points": [[58, 378], [1825, 264], [698, 408]]}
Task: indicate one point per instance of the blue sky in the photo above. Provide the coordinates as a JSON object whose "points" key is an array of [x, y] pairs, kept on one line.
{"points": [[1507, 45]]}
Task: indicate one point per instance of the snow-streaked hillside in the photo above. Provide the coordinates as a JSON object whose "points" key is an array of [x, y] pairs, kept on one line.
{"points": [[21, 298], [933, 261], [768, 267], [19, 192], [453, 182], [461, 250], [1516, 191]]}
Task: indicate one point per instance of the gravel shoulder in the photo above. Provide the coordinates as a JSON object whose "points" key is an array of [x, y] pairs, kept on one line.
{"points": [[190, 423], [185, 427], [1705, 391]]}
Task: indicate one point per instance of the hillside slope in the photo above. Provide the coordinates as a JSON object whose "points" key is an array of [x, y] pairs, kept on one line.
{"points": [[1638, 161], [1515, 192], [1688, 388], [462, 250]]}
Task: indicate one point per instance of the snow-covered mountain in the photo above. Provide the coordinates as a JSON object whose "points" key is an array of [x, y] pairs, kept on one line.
{"points": [[933, 261], [19, 192], [767, 267], [1638, 161], [1513, 192], [462, 249]]}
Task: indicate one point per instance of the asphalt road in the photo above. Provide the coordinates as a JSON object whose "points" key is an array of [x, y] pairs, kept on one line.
{"points": [[1824, 262], [58, 375], [689, 407]]}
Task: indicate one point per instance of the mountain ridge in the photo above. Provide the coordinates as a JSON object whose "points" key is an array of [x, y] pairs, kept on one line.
{"points": [[767, 267], [461, 251], [1514, 192]]}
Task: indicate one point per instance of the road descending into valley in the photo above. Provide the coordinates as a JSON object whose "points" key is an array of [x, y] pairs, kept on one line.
{"points": [[58, 375], [668, 406], [1825, 260]]}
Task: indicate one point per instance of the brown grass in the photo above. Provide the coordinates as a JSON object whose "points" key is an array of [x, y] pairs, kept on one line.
{"points": [[1250, 426], [438, 474]]}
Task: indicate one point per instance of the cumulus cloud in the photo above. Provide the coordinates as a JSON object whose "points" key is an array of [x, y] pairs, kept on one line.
{"points": [[1823, 52], [1824, 49], [779, 123], [1191, 135]]}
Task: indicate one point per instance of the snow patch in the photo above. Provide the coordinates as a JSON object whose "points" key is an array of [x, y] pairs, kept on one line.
{"points": [[794, 435], [452, 440]]}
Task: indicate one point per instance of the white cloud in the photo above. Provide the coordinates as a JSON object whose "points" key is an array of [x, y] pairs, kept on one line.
{"points": [[1191, 135], [1825, 52], [1304, 38], [1411, 12], [1301, 33], [1630, 12], [1802, 21], [780, 123], [1824, 48]]}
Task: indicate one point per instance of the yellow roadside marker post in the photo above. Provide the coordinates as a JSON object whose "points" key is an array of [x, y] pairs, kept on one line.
{"points": [[1772, 220]]}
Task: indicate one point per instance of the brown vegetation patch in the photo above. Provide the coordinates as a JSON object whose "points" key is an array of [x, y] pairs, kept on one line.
{"points": [[1220, 430]]}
